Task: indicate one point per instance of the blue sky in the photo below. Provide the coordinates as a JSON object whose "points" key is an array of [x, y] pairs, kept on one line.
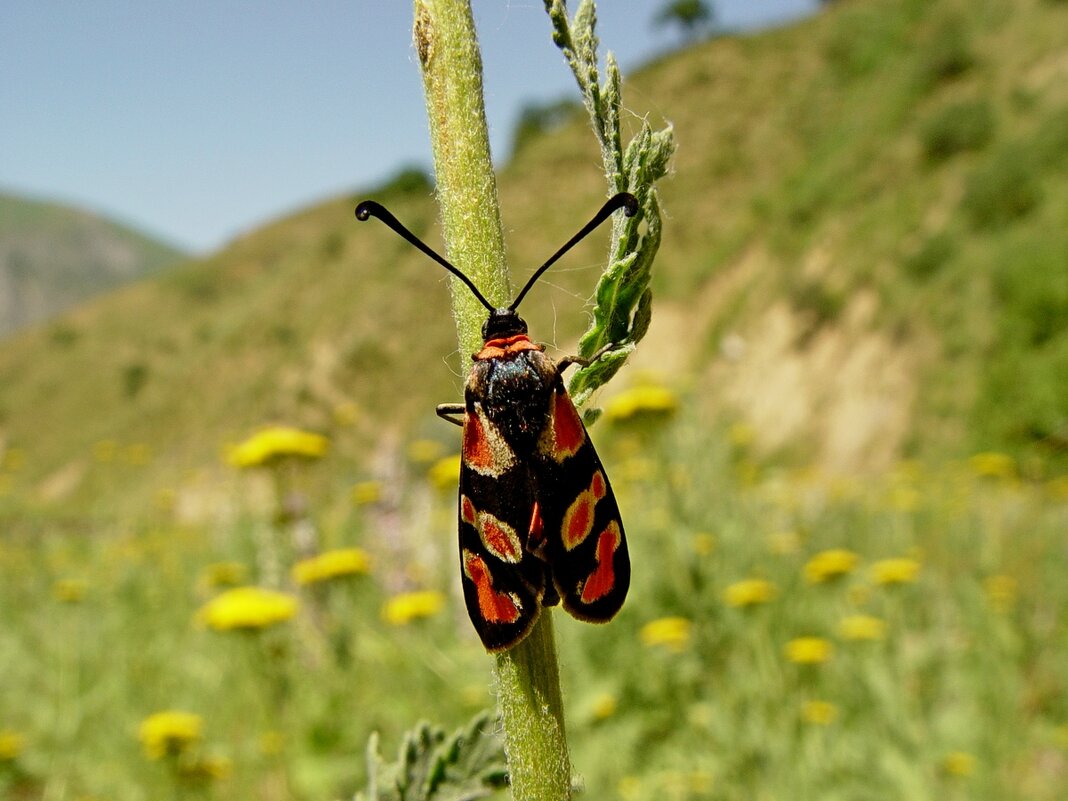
{"points": [[199, 119]]}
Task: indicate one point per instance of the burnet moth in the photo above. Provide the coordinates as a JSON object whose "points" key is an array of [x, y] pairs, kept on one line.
{"points": [[539, 524]]}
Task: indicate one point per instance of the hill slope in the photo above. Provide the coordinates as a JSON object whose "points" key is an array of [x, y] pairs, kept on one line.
{"points": [[864, 258], [54, 256]]}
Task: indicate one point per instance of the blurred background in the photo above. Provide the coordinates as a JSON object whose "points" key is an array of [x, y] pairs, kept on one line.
{"points": [[227, 509]]}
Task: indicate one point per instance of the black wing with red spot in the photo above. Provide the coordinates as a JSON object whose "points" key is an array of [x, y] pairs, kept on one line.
{"points": [[584, 542], [503, 583]]}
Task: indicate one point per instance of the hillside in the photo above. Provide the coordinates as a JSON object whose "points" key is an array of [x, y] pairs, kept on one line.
{"points": [[864, 258], [53, 257]]}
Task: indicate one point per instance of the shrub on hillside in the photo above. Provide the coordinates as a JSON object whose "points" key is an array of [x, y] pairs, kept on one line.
{"points": [[954, 128], [947, 54], [1003, 189]]}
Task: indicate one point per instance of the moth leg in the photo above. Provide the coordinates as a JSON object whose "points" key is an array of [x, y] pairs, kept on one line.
{"points": [[446, 410], [567, 361]]}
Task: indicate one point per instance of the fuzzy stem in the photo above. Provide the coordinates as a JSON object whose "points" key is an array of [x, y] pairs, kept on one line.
{"points": [[528, 681]]}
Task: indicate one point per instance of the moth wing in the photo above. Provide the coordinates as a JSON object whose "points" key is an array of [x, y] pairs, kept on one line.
{"points": [[503, 584], [583, 539]]}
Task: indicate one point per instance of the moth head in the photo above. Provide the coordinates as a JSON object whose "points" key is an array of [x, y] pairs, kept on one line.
{"points": [[503, 323]]}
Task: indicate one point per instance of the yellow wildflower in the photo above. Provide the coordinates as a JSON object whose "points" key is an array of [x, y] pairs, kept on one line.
{"points": [[830, 564], [104, 450], [247, 608], [782, 543], [741, 435], [445, 473], [138, 454], [13, 459], [862, 627], [274, 443], [346, 414], [809, 650], [749, 592], [901, 570], [704, 543], [206, 769], [604, 706], [331, 565], [424, 451], [70, 590], [673, 633], [364, 493], [991, 464], [822, 713], [629, 788], [402, 609], [958, 763], [12, 744], [169, 733], [641, 403], [223, 574], [1000, 592], [272, 742]]}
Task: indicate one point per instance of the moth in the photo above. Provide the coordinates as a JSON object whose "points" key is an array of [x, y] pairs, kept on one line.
{"points": [[538, 522]]}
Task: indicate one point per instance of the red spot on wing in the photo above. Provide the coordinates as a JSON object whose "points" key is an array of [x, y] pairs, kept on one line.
{"points": [[568, 433], [497, 348], [467, 510], [579, 520], [598, 486], [499, 540], [537, 529], [603, 577], [476, 447], [495, 607]]}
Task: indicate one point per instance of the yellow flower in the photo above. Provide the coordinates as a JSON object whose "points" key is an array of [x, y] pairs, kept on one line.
{"points": [[1000, 592], [402, 609], [673, 633], [782, 543], [749, 592], [809, 650], [862, 627], [169, 733], [831, 564], [604, 706], [822, 713], [895, 571], [958, 763], [70, 590], [741, 435], [104, 450], [12, 744], [364, 493], [138, 454], [223, 574], [13, 459], [641, 403], [274, 443], [704, 543], [247, 608], [332, 564], [346, 414], [272, 742], [206, 769], [991, 464], [629, 788], [445, 473], [424, 451]]}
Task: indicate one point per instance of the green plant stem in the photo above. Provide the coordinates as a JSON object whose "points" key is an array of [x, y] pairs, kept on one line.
{"points": [[528, 681]]}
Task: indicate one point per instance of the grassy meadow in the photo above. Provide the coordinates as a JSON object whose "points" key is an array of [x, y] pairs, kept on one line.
{"points": [[789, 634], [840, 456]]}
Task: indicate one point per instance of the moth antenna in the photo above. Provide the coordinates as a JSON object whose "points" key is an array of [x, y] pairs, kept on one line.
{"points": [[370, 208], [623, 200]]}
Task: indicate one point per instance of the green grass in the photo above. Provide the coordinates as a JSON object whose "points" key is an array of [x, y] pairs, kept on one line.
{"points": [[973, 658]]}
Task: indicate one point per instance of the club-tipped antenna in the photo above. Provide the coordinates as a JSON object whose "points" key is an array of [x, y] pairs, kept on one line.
{"points": [[623, 200], [370, 208]]}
